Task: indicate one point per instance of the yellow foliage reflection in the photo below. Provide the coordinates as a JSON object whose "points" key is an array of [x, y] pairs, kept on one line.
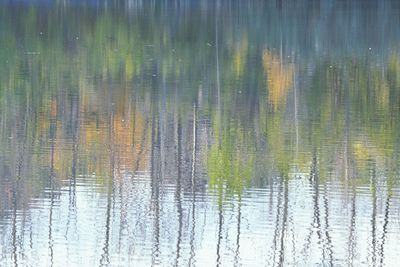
{"points": [[279, 78], [108, 143], [239, 56]]}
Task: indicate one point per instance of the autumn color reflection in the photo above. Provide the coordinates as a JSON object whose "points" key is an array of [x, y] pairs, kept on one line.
{"points": [[199, 133]]}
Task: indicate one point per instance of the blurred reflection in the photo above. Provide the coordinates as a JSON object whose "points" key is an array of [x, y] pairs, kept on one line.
{"points": [[160, 134]]}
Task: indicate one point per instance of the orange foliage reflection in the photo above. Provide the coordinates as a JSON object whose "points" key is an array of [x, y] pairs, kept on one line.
{"points": [[279, 78]]}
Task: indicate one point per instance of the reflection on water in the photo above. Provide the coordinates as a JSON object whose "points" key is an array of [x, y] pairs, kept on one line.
{"points": [[199, 133]]}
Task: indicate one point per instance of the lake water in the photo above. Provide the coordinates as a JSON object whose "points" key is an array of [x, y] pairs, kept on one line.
{"points": [[199, 133]]}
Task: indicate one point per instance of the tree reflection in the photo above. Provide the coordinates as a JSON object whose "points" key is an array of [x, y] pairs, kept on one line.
{"points": [[132, 102]]}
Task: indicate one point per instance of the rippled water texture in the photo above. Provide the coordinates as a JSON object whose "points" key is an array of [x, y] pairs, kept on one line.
{"points": [[199, 133]]}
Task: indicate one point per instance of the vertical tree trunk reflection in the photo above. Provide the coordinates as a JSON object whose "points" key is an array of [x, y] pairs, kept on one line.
{"points": [[193, 191], [373, 216], [220, 223], [14, 227], [277, 220], [352, 234], [53, 134], [316, 224], [178, 193], [238, 225], [284, 221], [328, 245], [105, 258], [385, 227], [155, 191], [72, 180]]}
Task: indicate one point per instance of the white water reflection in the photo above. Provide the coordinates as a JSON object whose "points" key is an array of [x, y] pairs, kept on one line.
{"points": [[307, 225]]}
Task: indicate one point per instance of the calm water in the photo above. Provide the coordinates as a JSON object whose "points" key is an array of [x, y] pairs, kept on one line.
{"points": [[199, 133]]}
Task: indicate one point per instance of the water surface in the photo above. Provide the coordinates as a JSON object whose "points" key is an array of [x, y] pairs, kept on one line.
{"points": [[199, 133]]}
